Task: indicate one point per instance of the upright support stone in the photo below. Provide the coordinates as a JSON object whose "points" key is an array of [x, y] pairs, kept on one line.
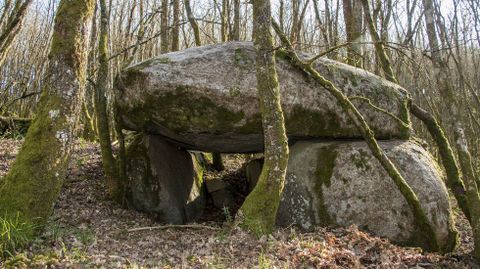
{"points": [[164, 180]]}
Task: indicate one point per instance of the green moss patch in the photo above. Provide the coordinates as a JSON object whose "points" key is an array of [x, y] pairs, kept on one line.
{"points": [[326, 157]]}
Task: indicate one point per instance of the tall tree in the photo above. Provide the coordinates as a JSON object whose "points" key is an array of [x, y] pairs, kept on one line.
{"points": [[236, 20], [12, 26], [109, 166], [455, 121], [259, 211], [367, 134], [176, 26], [377, 42], [164, 27], [352, 13], [193, 22], [454, 181], [33, 183], [224, 20]]}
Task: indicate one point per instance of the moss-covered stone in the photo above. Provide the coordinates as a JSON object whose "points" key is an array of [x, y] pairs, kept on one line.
{"points": [[32, 186], [205, 99], [311, 123], [324, 171], [341, 183], [243, 60], [164, 181]]}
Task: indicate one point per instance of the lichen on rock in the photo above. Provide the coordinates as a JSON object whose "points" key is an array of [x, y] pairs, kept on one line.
{"points": [[341, 183], [205, 98]]}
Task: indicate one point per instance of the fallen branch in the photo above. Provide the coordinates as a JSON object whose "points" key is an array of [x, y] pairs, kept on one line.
{"points": [[164, 227]]}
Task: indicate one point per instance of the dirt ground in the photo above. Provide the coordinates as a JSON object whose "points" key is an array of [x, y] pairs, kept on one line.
{"points": [[88, 231]]}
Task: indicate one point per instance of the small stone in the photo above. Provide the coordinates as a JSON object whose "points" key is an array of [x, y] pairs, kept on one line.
{"points": [[214, 185]]}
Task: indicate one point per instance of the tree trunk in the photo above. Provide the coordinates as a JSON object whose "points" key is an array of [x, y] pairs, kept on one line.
{"points": [[472, 188], [377, 42], [236, 20], [455, 122], [258, 212], [176, 26], [164, 27], [352, 13], [33, 183], [454, 181], [113, 183], [295, 19], [13, 26], [193, 22], [224, 21], [367, 134]]}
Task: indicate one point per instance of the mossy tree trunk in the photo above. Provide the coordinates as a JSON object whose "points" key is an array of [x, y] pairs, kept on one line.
{"points": [[113, 182], [258, 212], [473, 197], [33, 183], [352, 112], [224, 21], [377, 42], [454, 181], [455, 121]]}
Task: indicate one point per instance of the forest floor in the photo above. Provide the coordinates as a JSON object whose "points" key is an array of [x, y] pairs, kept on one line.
{"points": [[88, 231]]}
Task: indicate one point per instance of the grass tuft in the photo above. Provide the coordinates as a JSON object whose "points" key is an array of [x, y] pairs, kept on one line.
{"points": [[14, 235]]}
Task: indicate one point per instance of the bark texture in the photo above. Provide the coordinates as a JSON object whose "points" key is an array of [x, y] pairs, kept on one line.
{"points": [[12, 26], [368, 135], [259, 211], [352, 13], [114, 188], [193, 22], [176, 26], [164, 27], [379, 48], [32, 185]]}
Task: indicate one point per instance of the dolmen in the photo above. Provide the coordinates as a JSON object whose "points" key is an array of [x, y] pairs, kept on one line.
{"points": [[204, 99]]}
